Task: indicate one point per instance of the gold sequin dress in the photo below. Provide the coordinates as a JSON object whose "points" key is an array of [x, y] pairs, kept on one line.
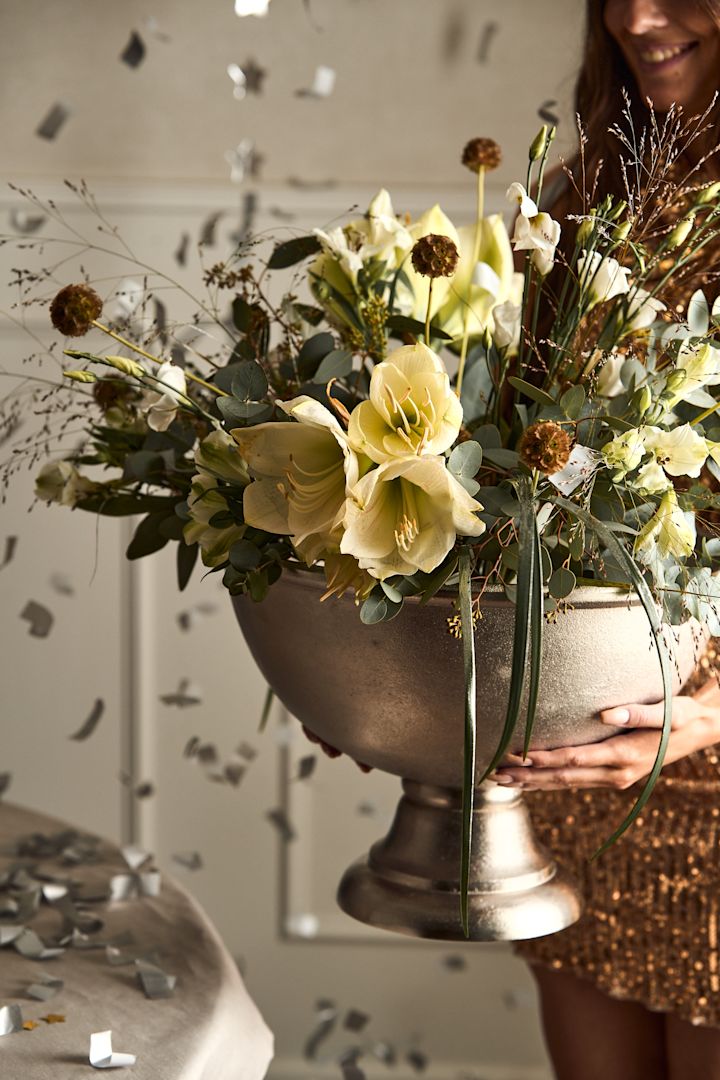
{"points": [[649, 931]]}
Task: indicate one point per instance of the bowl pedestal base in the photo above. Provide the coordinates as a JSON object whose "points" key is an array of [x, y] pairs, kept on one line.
{"points": [[410, 881]]}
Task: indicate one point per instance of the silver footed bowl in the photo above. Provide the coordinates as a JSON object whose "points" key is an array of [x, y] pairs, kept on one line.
{"points": [[391, 695]]}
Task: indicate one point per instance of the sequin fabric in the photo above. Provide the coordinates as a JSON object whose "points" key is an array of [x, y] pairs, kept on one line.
{"points": [[649, 931]]}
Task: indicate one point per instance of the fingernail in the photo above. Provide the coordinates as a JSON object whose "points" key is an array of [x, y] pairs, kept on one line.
{"points": [[503, 778], [616, 716]]}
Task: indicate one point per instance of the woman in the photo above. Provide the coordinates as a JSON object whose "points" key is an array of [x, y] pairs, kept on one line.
{"points": [[633, 989]]}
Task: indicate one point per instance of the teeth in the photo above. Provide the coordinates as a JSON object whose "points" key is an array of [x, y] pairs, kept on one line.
{"points": [[657, 56]]}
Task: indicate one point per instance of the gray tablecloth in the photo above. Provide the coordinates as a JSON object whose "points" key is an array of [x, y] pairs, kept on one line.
{"points": [[209, 1029]]}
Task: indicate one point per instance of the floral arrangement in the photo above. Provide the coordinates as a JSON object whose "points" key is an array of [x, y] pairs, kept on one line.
{"points": [[415, 414]]}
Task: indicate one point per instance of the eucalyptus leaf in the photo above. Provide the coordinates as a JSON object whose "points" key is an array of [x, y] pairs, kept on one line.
{"points": [[312, 352], [562, 582], [244, 555], [293, 251], [405, 325], [336, 365], [186, 558], [466, 459], [533, 392], [249, 382], [572, 401], [239, 412], [379, 608]]}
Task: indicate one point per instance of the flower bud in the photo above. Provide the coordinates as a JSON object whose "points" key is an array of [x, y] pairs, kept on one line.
{"points": [[675, 380], [585, 231], [621, 232], [80, 376], [537, 146], [617, 210], [654, 414], [681, 232], [641, 400], [707, 194], [126, 365]]}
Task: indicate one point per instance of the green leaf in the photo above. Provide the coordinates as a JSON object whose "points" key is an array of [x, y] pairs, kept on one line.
{"points": [[562, 582], [393, 594], [468, 790], [336, 365], [171, 527], [147, 538], [243, 555], [239, 412], [249, 382], [242, 314], [626, 561], [293, 251], [186, 558], [379, 608], [405, 325], [488, 436], [312, 352], [125, 505], [533, 392], [572, 401], [466, 459], [438, 578], [498, 455]]}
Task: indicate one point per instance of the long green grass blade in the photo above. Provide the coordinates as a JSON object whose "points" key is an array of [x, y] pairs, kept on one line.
{"points": [[536, 637], [468, 791], [521, 635], [641, 588]]}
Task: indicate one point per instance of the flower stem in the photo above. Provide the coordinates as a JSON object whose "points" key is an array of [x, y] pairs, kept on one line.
{"points": [[475, 255], [427, 313], [154, 359]]}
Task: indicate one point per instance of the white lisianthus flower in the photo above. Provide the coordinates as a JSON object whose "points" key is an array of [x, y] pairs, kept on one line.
{"points": [[60, 482], [204, 501], [643, 311], [680, 451], [218, 455], [161, 407], [336, 244], [411, 409], [507, 320], [535, 230], [701, 366], [651, 479], [668, 532], [603, 278], [609, 383], [405, 516], [302, 472], [378, 235], [624, 453]]}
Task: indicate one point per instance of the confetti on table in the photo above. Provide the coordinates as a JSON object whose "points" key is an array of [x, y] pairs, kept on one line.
{"points": [[155, 982], [547, 113], [30, 1025], [61, 584], [29, 945], [53, 891], [326, 1016], [102, 1055], [8, 934], [355, 1020], [323, 83], [208, 228], [53, 121], [180, 255], [40, 619], [10, 547], [92, 721], [130, 886], [10, 1019], [134, 52], [279, 819], [191, 860], [53, 1018], [251, 7], [487, 37], [306, 767], [24, 222], [45, 989], [186, 694]]}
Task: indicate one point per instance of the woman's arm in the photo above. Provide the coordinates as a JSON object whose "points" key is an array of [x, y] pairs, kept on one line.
{"points": [[623, 759]]}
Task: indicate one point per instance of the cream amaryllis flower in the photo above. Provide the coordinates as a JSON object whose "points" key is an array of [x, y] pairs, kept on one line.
{"points": [[602, 278], [302, 471], [625, 452], [680, 451], [476, 288], [668, 532], [218, 455], [535, 230], [160, 407], [651, 479], [411, 409], [701, 367], [60, 482], [405, 516], [378, 235], [204, 501]]}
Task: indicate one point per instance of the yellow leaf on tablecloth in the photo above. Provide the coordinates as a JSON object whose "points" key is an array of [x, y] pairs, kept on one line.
{"points": [[53, 1018], [30, 1025]]}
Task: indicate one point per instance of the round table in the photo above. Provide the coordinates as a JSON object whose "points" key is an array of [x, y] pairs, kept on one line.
{"points": [[207, 1029]]}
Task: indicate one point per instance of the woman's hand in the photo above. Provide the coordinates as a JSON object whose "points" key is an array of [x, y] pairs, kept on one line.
{"points": [[625, 758]]}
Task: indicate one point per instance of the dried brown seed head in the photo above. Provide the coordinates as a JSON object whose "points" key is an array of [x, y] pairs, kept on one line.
{"points": [[481, 154], [545, 446], [74, 308], [435, 256]]}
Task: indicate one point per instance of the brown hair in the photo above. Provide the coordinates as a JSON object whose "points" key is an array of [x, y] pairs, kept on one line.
{"points": [[599, 101]]}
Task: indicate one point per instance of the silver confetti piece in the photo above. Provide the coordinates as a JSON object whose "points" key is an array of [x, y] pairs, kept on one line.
{"points": [[322, 85], [191, 747], [153, 28], [243, 161], [87, 728], [45, 989], [62, 584], [134, 52], [180, 255], [547, 113], [306, 767], [326, 1015], [28, 944], [10, 547], [237, 75], [385, 1052], [11, 1019], [234, 772], [417, 1060], [8, 934], [155, 982], [53, 121], [23, 222], [144, 790], [191, 860], [279, 819], [487, 37], [244, 750], [40, 619], [355, 1020], [207, 753], [208, 227], [251, 7], [185, 695]]}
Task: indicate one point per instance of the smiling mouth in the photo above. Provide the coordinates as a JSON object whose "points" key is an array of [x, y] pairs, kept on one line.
{"points": [[662, 55]]}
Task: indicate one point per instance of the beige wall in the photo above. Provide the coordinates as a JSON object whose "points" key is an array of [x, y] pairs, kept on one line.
{"points": [[151, 143]]}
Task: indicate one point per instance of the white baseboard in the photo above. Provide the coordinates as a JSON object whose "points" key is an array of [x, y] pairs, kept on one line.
{"points": [[299, 1069]]}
